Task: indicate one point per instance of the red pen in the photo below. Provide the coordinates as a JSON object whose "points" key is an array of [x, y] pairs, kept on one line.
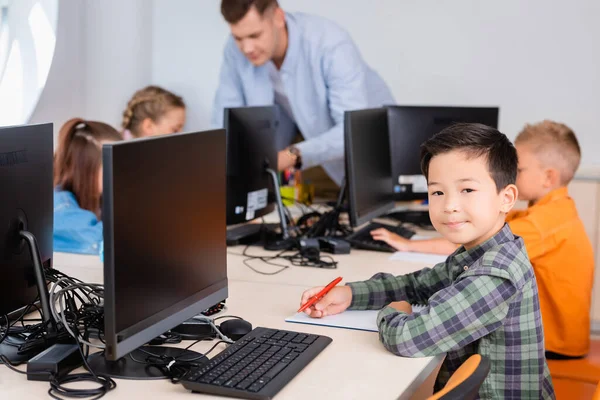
{"points": [[320, 295]]}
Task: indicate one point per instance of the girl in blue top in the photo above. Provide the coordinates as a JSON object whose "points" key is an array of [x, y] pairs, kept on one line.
{"points": [[78, 185]]}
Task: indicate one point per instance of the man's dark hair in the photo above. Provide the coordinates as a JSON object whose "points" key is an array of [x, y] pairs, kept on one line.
{"points": [[234, 10], [477, 140]]}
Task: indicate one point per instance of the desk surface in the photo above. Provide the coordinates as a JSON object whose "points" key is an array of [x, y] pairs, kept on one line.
{"points": [[356, 266], [355, 365]]}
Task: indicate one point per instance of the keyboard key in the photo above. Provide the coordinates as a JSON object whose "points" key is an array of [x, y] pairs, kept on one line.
{"points": [[310, 339], [231, 383], [289, 336], [259, 384], [244, 384], [275, 370], [299, 338], [301, 347]]}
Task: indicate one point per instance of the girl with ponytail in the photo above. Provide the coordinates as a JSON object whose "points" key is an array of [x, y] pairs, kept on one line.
{"points": [[78, 185]]}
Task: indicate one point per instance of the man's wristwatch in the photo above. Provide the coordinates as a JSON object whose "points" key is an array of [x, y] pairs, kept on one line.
{"points": [[294, 152]]}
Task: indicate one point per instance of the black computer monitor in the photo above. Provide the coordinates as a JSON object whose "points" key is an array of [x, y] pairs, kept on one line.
{"points": [[252, 181], [409, 127], [26, 219], [164, 240], [251, 148], [368, 168]]}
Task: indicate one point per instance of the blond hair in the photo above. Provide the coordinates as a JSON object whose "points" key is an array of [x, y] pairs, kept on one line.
{"points": [[150, 102], [555, 145]]}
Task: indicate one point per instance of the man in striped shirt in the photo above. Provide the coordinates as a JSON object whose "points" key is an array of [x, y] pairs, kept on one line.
{"points": [[483, 299]]}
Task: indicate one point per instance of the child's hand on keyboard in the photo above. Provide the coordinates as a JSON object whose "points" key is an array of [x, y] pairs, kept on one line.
{"points": [[334, 302], [394, 240]]}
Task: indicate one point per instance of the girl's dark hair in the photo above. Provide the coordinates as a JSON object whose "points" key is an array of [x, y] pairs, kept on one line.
{"points": [[477, 140], [78, 159]]}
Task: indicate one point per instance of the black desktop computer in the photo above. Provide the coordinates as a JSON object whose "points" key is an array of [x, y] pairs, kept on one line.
{"points": [[368, 168], [409, 127], [164, 241], [368, 175], [26, 218], [164, 215], [252, 180]]}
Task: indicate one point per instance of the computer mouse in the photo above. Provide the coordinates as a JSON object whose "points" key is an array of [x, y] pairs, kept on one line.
{"points": [[235, 329]]}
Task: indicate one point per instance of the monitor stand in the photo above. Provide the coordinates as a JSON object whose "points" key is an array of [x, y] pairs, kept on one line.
{"points": [[328, 224], [285, 242], [134, 365], [248, 233], [10, 346]]}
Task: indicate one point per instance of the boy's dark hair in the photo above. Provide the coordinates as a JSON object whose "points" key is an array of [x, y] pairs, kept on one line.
{"points": [[234, 10], [476, 140]]}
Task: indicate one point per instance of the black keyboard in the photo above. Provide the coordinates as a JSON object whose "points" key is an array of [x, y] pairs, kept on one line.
{"points": [[258, 365], [362, 238]]}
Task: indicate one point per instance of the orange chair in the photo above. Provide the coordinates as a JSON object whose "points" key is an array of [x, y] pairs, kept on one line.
{"points": [[597, 393], [465, 382], [569, 389], [585, 369]]}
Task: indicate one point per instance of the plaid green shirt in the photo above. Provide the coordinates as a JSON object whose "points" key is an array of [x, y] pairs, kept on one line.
{"points": [[482, 301]]}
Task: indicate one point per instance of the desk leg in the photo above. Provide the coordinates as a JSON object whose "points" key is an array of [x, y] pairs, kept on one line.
{"points": [[426, 389]]}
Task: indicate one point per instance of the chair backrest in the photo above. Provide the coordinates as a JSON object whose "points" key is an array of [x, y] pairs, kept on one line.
{"points": [[465, 382], [597, 393]]}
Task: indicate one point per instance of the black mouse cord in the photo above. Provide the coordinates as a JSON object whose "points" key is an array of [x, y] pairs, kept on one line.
{"points": [[175, 368]]}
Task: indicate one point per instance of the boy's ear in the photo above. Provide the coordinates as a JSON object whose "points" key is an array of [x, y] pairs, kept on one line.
{"points": [[509, 197], [551, 178]]}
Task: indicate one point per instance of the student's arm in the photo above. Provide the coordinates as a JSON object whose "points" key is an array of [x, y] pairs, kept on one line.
{"points": [[432, 246], [229, 92], [345, 77], [456, 316], [383, 289]]}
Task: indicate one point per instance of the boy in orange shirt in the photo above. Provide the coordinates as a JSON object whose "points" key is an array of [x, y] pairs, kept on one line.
{"points": [[554, 236]]}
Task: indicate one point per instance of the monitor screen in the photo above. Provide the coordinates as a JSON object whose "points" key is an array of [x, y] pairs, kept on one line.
{"points": [[368, 169], [251, 147], [26, 203], [409, 127], [164, 232]]}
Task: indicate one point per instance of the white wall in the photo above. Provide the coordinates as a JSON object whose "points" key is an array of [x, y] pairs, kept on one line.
{"points": [[103, 55], [188, 39], [63, 96], [535, 59]]}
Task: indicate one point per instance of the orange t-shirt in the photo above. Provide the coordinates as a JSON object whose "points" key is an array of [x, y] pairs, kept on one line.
{"points": [[563, 262]]}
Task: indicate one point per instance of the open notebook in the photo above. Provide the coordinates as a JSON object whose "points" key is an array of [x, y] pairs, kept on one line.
{"points": [[364, 320]]}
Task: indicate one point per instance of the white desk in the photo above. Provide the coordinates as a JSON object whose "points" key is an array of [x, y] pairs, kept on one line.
{"points": [[356, 266], [354, 366]]}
